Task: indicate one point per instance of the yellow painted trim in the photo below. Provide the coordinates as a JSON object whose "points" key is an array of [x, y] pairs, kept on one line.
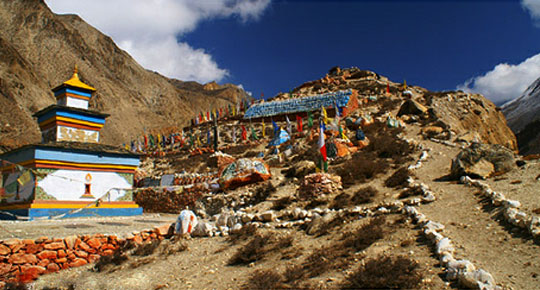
{"points": [[65, 205], [85, 165], [68, 205], [105, 166], [75, 121]]}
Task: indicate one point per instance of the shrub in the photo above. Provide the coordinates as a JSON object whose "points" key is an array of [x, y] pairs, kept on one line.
{"points": [[264, 279], [341, 201], [410, 192], [366, 235], [364, 195], [385, 272], [250, 252], [398, 179], [360, 168]]}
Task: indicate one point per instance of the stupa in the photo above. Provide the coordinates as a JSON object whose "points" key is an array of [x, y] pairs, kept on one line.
{"points": [[68, 174]]}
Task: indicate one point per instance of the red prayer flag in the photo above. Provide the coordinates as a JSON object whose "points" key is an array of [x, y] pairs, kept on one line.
{"points": [[388, 88], [299, 123], [244, 133]]}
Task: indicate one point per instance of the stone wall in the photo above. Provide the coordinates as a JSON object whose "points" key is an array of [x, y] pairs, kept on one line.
{"points": [[23, 260]]}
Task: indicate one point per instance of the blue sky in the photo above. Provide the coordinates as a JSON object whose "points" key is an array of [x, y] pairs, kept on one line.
{"points": [[491, 47]]}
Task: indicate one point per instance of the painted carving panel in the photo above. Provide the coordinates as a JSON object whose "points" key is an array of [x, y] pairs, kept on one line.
{"points": [[78, 135], [77, 185]]}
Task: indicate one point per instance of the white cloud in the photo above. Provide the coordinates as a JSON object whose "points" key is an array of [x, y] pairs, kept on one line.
{"points": [[506, 81], [149, 29], [533, 6]]}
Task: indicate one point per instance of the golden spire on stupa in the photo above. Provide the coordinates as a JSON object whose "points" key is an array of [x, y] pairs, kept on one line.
{"points": [[74, 81]]}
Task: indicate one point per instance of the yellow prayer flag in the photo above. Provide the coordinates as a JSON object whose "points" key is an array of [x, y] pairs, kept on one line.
{"points": [[263, 130], [325, 116], [404, 84]]}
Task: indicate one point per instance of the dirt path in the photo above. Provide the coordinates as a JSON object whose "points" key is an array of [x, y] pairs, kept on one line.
{"points": [[474, 226]]}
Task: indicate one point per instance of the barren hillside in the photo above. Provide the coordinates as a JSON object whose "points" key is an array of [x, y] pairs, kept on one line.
{"points": [[38, 51]]}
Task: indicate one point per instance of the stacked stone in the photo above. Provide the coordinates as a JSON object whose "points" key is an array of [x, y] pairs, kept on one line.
{"points": [[25, 260], [461, 270], [318, 184], [511, 212]]}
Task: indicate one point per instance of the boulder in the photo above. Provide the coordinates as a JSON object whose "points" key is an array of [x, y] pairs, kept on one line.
{"points": [[483, 161]]}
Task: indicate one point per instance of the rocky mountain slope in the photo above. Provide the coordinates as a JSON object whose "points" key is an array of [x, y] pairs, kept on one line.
{"points": [[459, 116], [386, 217], [523, 115], [39, 49]]}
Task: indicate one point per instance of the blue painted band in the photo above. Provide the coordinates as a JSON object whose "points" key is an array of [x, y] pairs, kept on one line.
{"points": [[59, 154], [72, 91], [87, 212], [73, 115]]}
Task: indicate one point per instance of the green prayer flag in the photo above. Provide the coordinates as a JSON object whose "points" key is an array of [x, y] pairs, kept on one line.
{"points": [[253, 134], [310, 120]]}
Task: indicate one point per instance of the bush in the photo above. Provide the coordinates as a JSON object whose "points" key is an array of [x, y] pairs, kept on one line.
{"points": [[386, 272], [364, 195], [251, 252], [366, 235], [398, 179], [259, 246], [360, 168], [264, 279]]}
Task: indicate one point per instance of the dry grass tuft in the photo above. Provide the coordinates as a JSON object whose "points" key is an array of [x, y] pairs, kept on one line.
{"points": [[364, 195], [259, 246], [264, 279], [398, 179], [362, 167], [366, 235], [386, 272]]}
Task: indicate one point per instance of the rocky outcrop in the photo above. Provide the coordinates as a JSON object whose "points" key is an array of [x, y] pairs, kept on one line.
{"points": [[457, 113], [38, 50], [482, 160]]}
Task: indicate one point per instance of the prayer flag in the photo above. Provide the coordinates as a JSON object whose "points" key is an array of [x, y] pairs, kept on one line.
{"points": [[388, 88], [289, 126], [253, 134], [244, 133], [310, 120], [299, 123], [276, 128], [322, 148], [325, 116]]}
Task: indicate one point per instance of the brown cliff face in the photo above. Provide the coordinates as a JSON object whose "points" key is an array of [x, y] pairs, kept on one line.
{"points": [[38, 50]]}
